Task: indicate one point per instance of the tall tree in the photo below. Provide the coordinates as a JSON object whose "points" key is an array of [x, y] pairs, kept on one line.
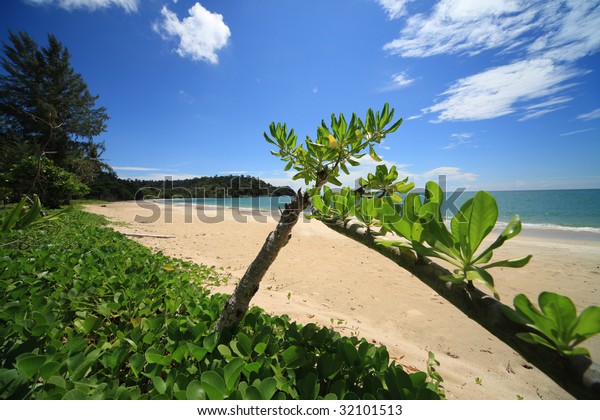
{"points": [[45, 105]]}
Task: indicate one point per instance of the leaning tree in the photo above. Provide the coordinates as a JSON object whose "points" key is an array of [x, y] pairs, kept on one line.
{"points": [[409, 228]]}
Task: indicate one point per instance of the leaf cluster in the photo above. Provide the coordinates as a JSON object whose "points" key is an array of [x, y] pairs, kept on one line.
{"points": [[377, 197], [555, 324], [422, 224], [336, 146], [22, 216], [89, 314]]}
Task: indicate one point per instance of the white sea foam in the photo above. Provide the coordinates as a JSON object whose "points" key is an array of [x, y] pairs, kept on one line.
{"points": [[549, 226]]}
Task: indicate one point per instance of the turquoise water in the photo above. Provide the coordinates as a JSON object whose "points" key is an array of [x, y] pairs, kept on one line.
{"points": [[576, 210], [262, 203]]}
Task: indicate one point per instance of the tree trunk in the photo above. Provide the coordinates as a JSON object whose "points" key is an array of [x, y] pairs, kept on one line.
{"points": [[239, 301], [578, 375]]}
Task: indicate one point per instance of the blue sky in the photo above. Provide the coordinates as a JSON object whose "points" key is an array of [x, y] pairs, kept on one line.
{"points": [[495, 95]]}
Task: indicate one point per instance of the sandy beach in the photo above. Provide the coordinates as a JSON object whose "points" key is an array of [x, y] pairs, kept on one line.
{"points": [[328, 279]]}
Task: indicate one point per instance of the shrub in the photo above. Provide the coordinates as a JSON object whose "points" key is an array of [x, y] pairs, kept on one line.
{"points": [[98, 316]]}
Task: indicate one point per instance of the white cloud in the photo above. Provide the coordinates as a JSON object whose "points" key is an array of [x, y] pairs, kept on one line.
{"points": [[128, 5], [451, 173], [459, 26], [570, 133], [461, 136], [547, 37], [201, 34], [393, 8], [592, 115], [571, 34], [498, 91], [462, 139], [400, 80]]}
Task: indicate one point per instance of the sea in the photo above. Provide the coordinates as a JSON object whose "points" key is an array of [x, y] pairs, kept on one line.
{"points": [[567, 210]]}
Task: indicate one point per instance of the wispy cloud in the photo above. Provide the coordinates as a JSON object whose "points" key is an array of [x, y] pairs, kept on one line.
{"points": [[200, 35], [399, 81], [127, 5], [186, 96], [459, 26], [592, 115], [546, 36], [570, 133], [394, 8], [499, 91], [461, 139], [451, 173]]}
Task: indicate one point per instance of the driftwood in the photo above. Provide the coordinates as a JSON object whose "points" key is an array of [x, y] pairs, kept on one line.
{"points": [[148, 235], [578, 375]]}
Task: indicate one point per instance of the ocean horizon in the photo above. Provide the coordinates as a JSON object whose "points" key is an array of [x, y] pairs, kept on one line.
{"points": [[576, 210]]}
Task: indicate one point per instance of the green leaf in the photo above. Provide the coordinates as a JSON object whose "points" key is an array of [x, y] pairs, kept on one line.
{"points": [[88, 324], [136, 363], [252, 393], [194, 391], [57, 381], [210, 341], [159, 384], [433, 193], [533, 338], [49, 369], [334, 180], [317, 203], [511, 230], [478, 273], [30, 364], [75, 394], [329, 365], [232, 372], [561, 310], [537, 319], [9, 221], [588, 323], [373, 154], [294, 357], [267, 388], [153, 355], [260, 348], [480, 216], [514, 263], [214, 385]]}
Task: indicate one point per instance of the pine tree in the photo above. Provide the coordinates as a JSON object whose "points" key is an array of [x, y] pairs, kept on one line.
{"points": [[46, 109]]}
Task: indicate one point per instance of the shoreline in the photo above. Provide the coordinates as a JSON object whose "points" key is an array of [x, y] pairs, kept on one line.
{"points": [[322, 277], [529, 230]]}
